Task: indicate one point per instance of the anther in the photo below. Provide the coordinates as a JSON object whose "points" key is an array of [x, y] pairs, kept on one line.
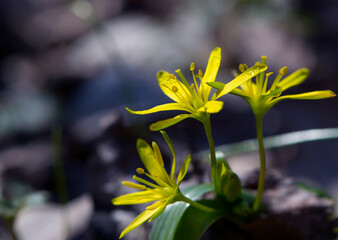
{"points": [[140, 170], [192, 66], [200, 73], [283, 70], [242, 67], [172, 75], [174, 89], [263, 59]]}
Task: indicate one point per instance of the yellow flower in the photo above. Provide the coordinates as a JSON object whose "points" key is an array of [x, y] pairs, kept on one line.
{"points": [[261, 98], [195, 98], [164, 190]]}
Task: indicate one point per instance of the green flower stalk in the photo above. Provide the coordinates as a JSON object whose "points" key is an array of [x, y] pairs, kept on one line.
{"points": [[163, 189], [195, 99], [261, 98]]}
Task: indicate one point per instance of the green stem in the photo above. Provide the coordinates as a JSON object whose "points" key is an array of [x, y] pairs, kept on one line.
{"points": [[260, 188], [208, 131], [10, 227], [198, 205]]}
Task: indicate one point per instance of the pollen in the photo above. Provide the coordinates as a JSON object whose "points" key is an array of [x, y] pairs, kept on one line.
{"points": [[192, 66], [140, 171], [174, 89]]}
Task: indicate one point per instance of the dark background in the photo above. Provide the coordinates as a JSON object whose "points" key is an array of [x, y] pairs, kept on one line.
{"points": [[76, 64]]}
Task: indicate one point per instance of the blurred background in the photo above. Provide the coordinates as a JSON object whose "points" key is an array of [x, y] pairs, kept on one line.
{"points": [[68, 68]]}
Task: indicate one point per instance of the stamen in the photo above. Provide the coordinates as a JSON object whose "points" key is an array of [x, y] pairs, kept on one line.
{"points": [[282, 72], [200, 73], [140, 170], [192, 66], [184, 81], [174, 89], [260, 77], [242, 67], [266, 81], [146, 182], [160, 181]]}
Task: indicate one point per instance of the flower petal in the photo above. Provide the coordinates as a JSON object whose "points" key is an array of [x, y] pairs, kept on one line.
{"points": [[159, 108], [138, 197], [243, 77], [171, 146], [160, 125], [211, 71], [150, 161], [211, 107], [294, 78], [306, 96], [172, 87], [161, 207], [144, 216], [184, 169]]}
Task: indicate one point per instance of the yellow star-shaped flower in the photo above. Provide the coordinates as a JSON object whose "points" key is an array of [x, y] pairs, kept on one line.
{"points": [[164, 190], [261, 98], [195, 99]]}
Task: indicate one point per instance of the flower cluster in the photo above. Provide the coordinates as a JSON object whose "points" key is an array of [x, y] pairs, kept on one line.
{"points": [[164, 189]]}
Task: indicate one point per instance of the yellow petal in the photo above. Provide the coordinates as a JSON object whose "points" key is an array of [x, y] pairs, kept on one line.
{"points": [[152, 164], [161, 207], [294, 78], [160, 125], [173, 88], [144, 216], [211, 72], [171, 146], [243, 77], [211, 107], [306, 96], [184, 169], [159, 108], [138, 197]]}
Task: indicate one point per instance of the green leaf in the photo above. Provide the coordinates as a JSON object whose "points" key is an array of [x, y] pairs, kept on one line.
{"points": [[165, 226], [195, 222]]}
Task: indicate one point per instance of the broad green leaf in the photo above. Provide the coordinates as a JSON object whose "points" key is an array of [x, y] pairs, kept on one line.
{"points": [[159, 108], [160, 125], [243, 77], [195, 222], [294, 78], [165, 226]]}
